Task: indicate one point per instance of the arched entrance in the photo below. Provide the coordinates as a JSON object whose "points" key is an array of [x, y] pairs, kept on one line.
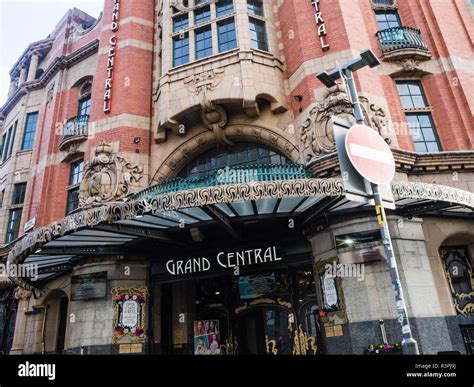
{"points": [[264, 304], [457, 261]]}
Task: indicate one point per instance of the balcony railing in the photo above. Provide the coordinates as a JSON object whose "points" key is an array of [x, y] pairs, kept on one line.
{"points": [[75, 129], [400, 38], [228, 175]]}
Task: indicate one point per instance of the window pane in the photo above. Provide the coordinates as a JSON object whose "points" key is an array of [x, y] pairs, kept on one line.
{"points": [[420, 147], [29, 132], [424, 134], [387, 20], [180, 50], [203, 15], [418, 101], [415, 132], [424, 120], [12, 143], [428, 134], [19, 193], [84, 107], [203, 43], [402, 88], [433, 147], [13, 225], [411, 94], [7, 143], [406, 102], [180, 23], [414, 88], [242, 154], [224, 7], [257, 35], [77, 169], [227, 36], [255, 7], [72, 200]]}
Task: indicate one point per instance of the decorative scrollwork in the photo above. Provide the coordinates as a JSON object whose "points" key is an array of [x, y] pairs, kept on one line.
{"points": [[272, 343], [415, 190], [112, 211], [317, 137], [215, 119]]}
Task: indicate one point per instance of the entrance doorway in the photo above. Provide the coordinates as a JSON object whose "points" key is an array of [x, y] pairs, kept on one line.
{"points": [[270, 312]]}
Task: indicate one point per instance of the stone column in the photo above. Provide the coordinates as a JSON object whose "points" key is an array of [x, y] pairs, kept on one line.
{"points": [[23, 297], [33, 66], [12, 87], [23, 73]]}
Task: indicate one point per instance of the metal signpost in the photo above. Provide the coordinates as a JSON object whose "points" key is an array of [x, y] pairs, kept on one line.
{"points": [[376, 155]]}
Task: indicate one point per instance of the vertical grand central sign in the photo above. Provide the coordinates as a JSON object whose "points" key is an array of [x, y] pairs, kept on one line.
{"points": [[114, 26], [318, 16]]}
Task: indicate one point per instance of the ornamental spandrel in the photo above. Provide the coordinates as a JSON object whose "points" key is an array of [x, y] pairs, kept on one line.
{"points": [[108, 176]]}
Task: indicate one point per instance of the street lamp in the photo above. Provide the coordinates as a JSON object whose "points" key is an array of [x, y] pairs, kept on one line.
{"points": [[345, 73], [366, 58]]}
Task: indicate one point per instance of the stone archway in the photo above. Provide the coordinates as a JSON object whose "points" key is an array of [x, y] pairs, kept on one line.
{"points": [[206, 140], [439, 233]]}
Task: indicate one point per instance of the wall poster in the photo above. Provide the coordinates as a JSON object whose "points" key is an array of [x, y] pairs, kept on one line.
{"points": [[129, 313], [207, 337]]}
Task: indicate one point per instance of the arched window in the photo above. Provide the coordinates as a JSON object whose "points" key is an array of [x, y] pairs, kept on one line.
{"points": [[39, 73], [84, 107], [241, 154], [458, 267]]}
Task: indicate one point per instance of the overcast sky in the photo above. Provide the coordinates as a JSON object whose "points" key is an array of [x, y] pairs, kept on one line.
{"points": [[25, 21]]}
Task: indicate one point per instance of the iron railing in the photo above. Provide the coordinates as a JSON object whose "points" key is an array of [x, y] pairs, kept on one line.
{"points": [[229, 175], [76, 127], [397, 38]]}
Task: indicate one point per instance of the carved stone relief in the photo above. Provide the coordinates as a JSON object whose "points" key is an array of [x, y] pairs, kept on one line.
{"points": [[107, 176], [50, 93], [316, 135], [22, 294], [204, 81], [215, 119]]}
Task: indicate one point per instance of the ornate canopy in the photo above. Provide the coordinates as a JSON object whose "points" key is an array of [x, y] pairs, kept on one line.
{"points": [[105, 229]]}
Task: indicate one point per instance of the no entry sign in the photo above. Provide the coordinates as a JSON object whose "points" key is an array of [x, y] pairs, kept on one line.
{"points": [[370, 155]]}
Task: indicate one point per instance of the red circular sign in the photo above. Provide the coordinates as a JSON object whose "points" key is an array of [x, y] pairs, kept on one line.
{"points": [[370, 155]]}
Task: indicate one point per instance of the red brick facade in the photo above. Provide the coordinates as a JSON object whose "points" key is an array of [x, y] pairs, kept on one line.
{"points": [[351, 27]]}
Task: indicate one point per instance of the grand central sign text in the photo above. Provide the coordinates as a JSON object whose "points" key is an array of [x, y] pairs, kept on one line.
{"points": [[114, 26], [229, 260], [318, 16]]}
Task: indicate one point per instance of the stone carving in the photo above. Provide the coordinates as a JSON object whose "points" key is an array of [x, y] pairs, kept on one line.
{"points": [[178, 4], [317, 137], [215, 119], [204, 81], [50, 93], [72, 149], [107, 176], [408, 65], [22, 294]]}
